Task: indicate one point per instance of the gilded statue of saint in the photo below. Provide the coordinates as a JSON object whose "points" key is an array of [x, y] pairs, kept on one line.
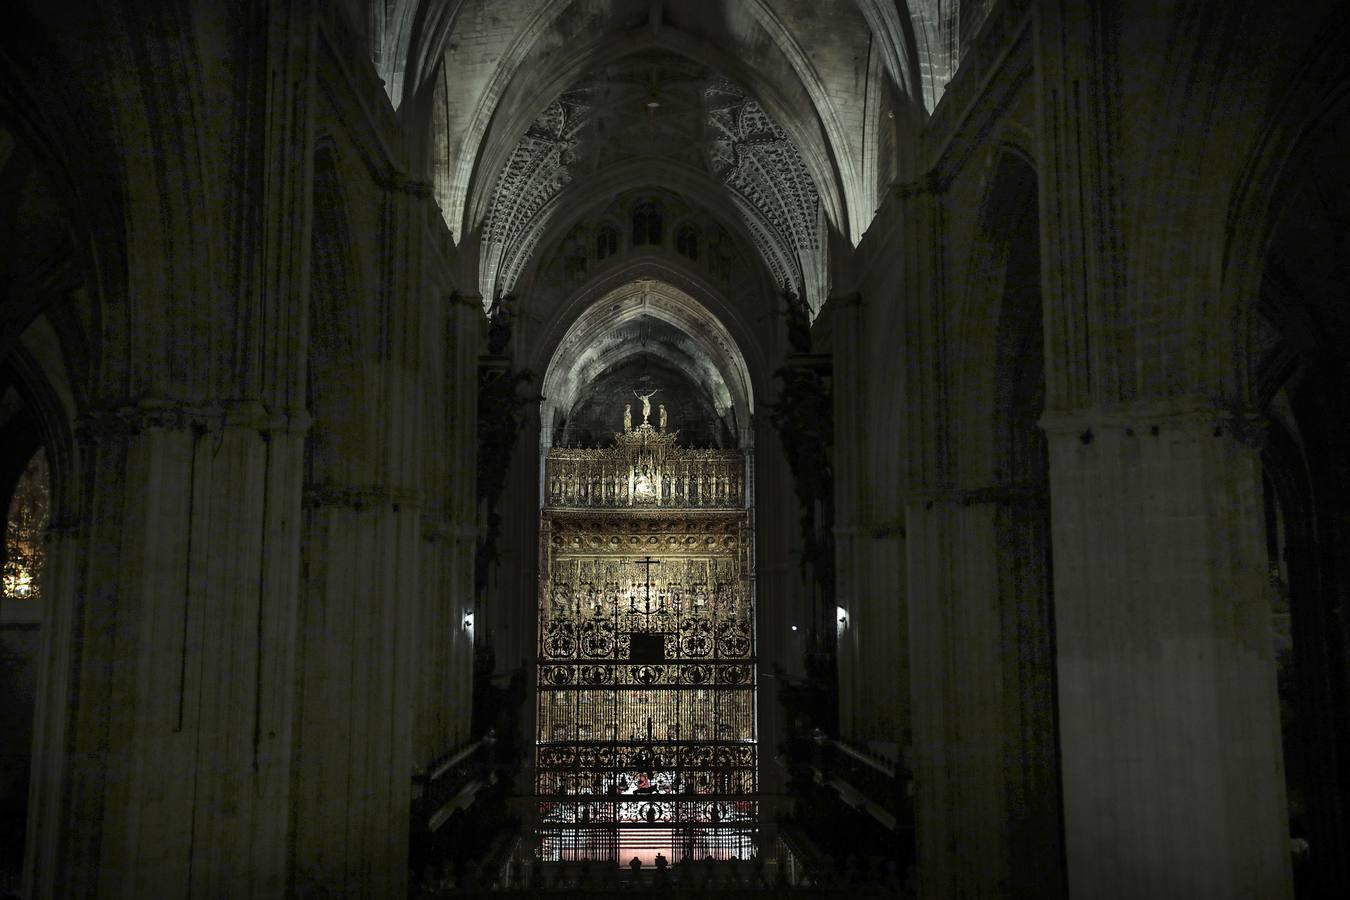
{"points": [[662, 409], [628, 417], [646, 404]]}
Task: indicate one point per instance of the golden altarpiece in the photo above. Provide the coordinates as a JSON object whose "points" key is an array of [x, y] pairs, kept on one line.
{"points": [[646, 737]]}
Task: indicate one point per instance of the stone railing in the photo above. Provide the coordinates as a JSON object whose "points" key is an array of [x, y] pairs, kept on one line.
{"points": [[678, 477]]}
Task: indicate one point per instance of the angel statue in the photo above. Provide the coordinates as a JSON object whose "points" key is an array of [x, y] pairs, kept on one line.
{"points": [[646, 404], [628, 417]]}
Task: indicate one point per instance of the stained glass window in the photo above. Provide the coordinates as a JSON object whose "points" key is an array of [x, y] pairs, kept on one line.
{"points": [[25, 528]]}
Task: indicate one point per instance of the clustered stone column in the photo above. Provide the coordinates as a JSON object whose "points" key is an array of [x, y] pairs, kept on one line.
{"points": [[1173, 780], [361, 590], [854, 592], [173, 765]]}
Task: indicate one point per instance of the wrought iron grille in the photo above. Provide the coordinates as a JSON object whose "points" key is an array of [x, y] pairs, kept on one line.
{"points": [[646, 737]]}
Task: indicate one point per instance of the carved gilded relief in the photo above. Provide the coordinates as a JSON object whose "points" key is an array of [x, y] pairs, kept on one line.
{"points": [[644, 468]]}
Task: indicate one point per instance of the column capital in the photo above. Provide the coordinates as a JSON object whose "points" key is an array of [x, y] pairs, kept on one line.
{"points": [[401, 182], [471, 300], [930, 183], [847, 298], [164, 414], [64, 527], [1194, 417]]}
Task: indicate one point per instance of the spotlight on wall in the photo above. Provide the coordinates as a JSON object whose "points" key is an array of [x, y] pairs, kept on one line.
{"points": [[794, 627], [841, 616], [468, 620]]}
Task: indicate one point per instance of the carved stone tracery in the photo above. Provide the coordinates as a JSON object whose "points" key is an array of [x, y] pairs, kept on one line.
{"points": [[635, 111]]}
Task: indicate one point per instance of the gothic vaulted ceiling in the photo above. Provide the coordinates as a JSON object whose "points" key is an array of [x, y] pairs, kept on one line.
{"points": [[533, 103], [639, 111]]}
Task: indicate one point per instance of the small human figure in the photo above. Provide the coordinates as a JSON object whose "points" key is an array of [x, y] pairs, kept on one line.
{"points": [[661, 862], [628, 417], [662, 409], [635, 864]]}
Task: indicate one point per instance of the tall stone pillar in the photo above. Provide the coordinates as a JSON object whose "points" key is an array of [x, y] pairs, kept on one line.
{"points": [[956, 647], [985, 787], [466, 320], [358, 640], [853, 592], [51, 722], [1172, 771], [442, 438], [166, 737], [364, 600]]}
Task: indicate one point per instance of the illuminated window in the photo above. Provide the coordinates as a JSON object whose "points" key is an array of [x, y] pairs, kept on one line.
{"points": [[25, 526]]}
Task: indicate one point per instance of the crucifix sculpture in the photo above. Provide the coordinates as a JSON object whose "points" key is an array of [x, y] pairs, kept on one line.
{"points": [[646, 403]]}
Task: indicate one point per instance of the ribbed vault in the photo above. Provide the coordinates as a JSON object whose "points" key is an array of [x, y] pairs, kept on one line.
{"points": [[487, 71], [775, 101], [646, 109]]}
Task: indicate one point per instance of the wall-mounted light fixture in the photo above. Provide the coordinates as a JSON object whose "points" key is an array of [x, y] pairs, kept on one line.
{"points": [[468, 620], [841, 617]]}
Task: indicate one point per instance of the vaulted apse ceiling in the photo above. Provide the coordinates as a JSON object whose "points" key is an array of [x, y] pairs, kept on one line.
{"points": [[659, 320], [650, 107]]}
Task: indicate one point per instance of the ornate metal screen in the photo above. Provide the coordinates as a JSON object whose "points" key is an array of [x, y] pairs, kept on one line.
{"points": [[646, 670]]}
